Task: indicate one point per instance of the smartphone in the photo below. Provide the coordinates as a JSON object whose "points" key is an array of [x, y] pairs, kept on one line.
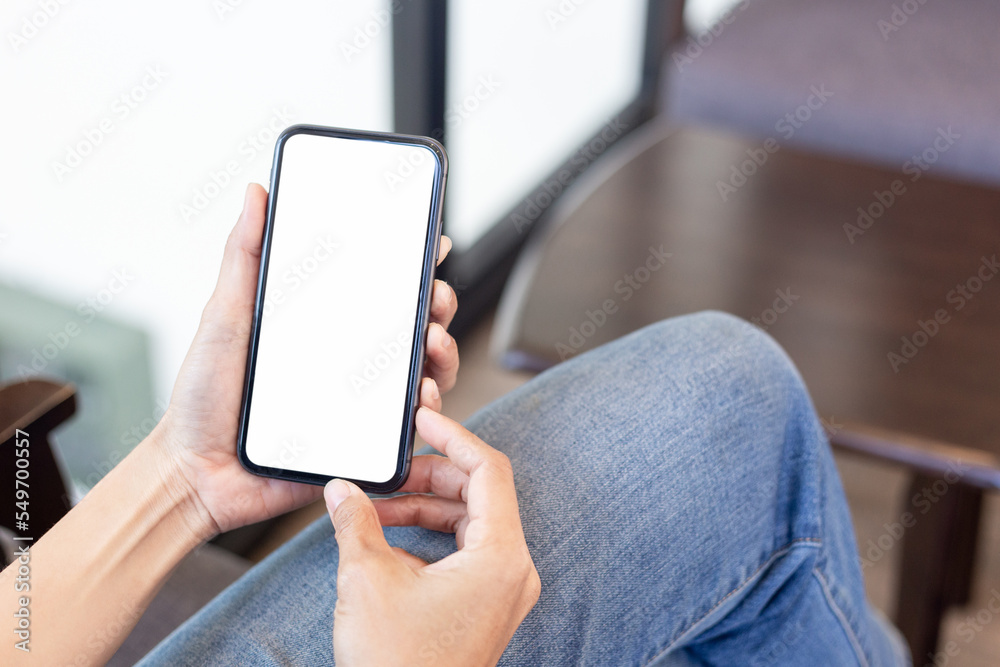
{"points": [[347, 266]]}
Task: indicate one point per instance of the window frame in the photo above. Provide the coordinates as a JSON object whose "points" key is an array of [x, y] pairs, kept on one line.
{"points": [[419, 61]]}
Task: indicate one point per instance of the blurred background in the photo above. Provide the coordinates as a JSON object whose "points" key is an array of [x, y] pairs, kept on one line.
{"points": [[137, 130], [827, 170]]}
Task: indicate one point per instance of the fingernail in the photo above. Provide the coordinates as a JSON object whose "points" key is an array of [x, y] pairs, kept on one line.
{"points": [[336, 492], [434, 390], [447, 339]]}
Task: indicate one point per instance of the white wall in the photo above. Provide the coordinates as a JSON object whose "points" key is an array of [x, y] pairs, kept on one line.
{"points": [[700, 15], [205, 83], [529, 82]]}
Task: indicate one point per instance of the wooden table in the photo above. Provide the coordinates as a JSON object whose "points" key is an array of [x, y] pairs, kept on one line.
{"points": [[787, 247]]}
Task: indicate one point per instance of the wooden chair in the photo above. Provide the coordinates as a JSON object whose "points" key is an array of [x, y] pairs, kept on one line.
{"points": [[854, 303]]}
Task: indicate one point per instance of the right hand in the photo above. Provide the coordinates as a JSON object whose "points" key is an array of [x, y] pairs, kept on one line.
{"points": [[395, 609]]}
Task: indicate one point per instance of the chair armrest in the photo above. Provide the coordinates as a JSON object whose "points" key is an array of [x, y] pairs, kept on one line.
{"points": [[33, 407]]}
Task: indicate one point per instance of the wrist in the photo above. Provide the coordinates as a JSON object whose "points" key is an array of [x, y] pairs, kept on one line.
{"points": [[97, 569], [177, 489]]}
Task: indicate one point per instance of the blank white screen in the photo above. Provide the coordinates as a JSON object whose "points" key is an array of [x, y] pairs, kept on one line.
{"points": [[341, 302]]}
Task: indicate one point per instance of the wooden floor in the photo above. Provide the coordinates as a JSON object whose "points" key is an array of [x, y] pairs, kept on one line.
{"points": [[873, 490]]}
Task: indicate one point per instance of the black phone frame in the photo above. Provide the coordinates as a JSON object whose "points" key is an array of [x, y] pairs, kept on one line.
{"points": [[432, 245]]}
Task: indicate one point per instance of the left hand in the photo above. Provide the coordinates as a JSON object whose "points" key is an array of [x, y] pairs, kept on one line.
{"points": [[199, 430]]}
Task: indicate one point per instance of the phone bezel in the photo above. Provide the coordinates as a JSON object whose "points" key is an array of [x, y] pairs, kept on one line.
{"points": [[431, 248]]}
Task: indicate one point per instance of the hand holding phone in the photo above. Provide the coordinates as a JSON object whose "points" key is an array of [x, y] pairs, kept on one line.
{"points": [[340, 322], [200, 427]]}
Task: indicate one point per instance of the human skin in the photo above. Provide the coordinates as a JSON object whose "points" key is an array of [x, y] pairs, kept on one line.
{"points": [[94, 573]]}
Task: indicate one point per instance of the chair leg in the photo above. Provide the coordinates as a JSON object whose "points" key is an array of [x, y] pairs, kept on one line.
{"points": [[938, 557]]}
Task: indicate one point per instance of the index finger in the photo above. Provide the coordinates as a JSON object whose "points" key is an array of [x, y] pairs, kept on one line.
{"points": [[490, 495]]}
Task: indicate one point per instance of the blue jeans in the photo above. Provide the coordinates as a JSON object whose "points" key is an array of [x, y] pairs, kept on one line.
{"points": [[679, 499]]}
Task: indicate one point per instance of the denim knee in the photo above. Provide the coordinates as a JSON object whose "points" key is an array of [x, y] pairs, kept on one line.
{"points": [[714, 351]]}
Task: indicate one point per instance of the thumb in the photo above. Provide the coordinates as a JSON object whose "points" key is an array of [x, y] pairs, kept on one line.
{"points": [[236, 288], [359, 533]]}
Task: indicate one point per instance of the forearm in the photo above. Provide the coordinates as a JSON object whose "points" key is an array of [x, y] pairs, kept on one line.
{"points": [[94, 573]]}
